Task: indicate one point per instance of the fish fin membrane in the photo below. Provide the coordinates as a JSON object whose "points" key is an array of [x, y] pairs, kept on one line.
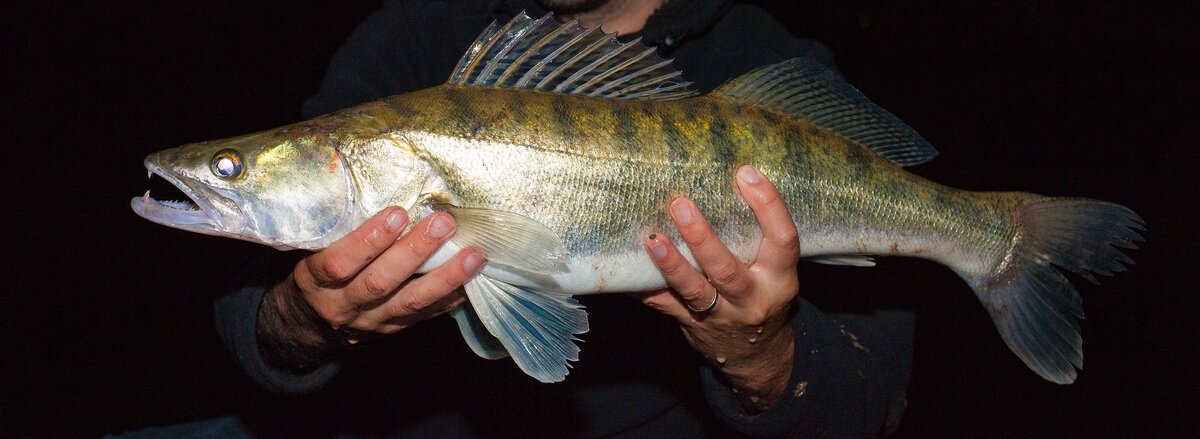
{"points": [[482, 342], [1034, 306], [509, 239], [536, 328], [806, 89], [850, 260], [541, 54]]}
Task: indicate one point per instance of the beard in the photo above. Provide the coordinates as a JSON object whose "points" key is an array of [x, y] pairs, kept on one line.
{"points": [[571, 7]]}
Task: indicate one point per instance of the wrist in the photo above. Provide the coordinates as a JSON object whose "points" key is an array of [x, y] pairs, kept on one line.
{"points": [[760, 377], [291, 336]]}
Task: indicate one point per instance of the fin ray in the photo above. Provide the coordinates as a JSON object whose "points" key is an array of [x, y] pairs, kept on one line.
{"points": [[537, 329], [509, 239], [1033, 305], [808, 90], [482, 342], [566, 58]]}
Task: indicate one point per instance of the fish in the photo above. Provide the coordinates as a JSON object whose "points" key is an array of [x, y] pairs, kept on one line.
{"points": [[556, 148]]}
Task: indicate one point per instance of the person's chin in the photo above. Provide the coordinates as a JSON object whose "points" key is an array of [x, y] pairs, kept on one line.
{"points": [[571, 7]]}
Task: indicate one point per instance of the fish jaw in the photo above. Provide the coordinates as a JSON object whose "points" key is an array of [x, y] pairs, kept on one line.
{"points": [[209, 210]]}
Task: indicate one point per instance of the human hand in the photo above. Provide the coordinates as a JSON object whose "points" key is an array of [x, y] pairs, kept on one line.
{"points": [[745, 333], [362, 284]]}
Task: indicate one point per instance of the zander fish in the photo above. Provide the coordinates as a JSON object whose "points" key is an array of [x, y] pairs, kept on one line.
{"points": [[556, 148]]}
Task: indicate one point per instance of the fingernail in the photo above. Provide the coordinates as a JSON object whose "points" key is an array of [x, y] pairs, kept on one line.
{"points": [[472, 262], [681, 209], [396, 220], [657, 249], [749, 175], [441, 227]]}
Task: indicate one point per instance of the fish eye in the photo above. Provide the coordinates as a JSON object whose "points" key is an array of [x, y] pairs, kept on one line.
{"points": [[227, 163]]}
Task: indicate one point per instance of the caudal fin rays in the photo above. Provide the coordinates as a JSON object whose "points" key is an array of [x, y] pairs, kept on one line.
{"points": [[1033, 305]]}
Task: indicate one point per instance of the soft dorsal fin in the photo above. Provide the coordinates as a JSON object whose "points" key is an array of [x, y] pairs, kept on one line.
{"points": [[566, 58], [806, 89]]}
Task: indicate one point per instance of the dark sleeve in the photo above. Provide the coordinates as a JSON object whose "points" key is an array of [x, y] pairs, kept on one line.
{"points": [[405, 46], [849, 376], [237, 317]]}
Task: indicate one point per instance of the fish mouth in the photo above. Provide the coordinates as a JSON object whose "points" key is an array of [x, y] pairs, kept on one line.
{"points": [[195, 214]]}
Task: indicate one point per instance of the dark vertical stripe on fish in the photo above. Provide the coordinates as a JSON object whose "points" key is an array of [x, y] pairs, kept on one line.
{"points": [[721, 148], [515, 103], [625, 133], [461, 115], [564, 123]]}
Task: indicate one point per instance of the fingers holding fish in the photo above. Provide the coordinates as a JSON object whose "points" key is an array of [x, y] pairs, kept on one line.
{"points": [[780, 249], [747, 336], [749, 342], [322, 278], [363, 281], [343, 259], [723, 269], [398, 262], [688, 285], [432, 294]]}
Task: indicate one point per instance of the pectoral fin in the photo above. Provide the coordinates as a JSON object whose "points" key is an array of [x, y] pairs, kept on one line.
{"points": [[536, 328], [509, 239]]}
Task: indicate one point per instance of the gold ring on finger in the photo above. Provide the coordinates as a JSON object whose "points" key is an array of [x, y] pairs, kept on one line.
{"points": [[707, 309]]}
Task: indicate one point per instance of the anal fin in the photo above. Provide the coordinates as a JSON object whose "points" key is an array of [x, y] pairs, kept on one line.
{"points": [[536, 328]]}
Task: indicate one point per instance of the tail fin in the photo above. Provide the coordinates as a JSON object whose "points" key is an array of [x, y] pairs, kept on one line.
{"points": [[1033, 305]]}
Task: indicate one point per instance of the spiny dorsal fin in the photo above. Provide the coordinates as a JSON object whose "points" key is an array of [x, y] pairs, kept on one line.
{"points": [[544, 55], [806, 89]]}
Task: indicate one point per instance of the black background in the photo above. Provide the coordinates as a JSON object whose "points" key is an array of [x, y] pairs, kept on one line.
{"points": [[107, 318]]}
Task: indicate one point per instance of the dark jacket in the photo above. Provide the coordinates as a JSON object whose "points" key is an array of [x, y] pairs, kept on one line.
{"points": [[636, 375]]}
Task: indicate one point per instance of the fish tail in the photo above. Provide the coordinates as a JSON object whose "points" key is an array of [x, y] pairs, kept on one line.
{"points": [[1034, 306]]}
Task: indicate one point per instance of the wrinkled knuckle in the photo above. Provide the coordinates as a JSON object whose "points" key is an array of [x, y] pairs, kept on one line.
{"points": [[724, 274], [771, 199], [409, 304], [696, 239], [757, 316], [304, 278], [672, 270], [695, 292], [417, 251], [329, 272], [330, 316], [375, 286], [450, 283], [788, 240], [369, 240], [689, 289], [364, 325]]}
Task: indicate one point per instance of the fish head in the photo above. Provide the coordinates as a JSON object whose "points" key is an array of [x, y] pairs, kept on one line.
{"points": [[287, 187]]}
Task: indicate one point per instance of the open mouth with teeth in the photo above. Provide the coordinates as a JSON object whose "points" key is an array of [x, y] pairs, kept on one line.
{"points": [[195, 214]]}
